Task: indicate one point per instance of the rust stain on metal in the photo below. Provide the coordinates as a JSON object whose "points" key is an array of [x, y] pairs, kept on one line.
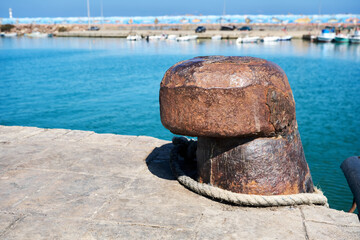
{"points": [[265, 166]]}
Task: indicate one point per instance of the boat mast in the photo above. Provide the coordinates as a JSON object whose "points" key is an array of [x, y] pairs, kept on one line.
{"points": [[224, 9], [318, 25], [102, 15], [88, 12], [223, 13]]}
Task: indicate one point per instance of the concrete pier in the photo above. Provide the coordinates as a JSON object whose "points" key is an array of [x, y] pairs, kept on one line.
{"points": [[66, 184]]}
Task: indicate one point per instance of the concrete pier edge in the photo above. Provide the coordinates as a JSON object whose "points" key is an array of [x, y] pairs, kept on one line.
{"points": [[70, 184]]}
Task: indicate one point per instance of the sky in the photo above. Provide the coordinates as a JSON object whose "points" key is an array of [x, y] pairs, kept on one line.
{"points": [[77, 8]]}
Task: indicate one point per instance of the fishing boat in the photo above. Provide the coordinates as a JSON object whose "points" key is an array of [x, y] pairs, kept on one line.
{"points": [[355, 38], [9, 34], [342, 38], [247, 40], [285, 38], [37, 35], [271, 39], [216, 37], [326, 35], [134, 37]]}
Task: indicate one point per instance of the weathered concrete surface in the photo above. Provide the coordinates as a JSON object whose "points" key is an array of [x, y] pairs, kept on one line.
{"points": [[62, 184]]}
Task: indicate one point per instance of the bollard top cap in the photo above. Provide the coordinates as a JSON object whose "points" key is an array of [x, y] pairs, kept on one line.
{"points": [[225, 72], [218, 96]]}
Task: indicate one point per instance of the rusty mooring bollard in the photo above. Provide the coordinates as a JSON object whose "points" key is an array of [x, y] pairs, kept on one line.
{"points": [[243, 112]]}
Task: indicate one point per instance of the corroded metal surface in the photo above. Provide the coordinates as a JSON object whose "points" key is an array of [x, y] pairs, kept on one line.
{"points": [[226, 97], [265, 166], [243, 111]]}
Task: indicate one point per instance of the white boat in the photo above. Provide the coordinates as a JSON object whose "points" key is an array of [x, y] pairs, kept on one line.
{"points": [[9, 34], [286, 38], [172, 37], [158, 37], [37, 35], [187, 38], [355, 38], [134, 37], [183, 38], [326, 35], [216, 37], [271, 39], [154, 38], [247, 40], [342, 38], [193, 37]]}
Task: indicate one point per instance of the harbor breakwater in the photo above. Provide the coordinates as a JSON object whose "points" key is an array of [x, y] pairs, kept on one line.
{"points": [[194, 19], [122, 31], [262, 25]]}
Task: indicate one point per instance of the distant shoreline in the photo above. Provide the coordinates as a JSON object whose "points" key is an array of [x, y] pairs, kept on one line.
{"points": [[123, 30], [194, 19]]}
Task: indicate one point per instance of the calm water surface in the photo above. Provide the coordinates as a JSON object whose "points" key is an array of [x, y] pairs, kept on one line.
{"points": [[112, 86]]}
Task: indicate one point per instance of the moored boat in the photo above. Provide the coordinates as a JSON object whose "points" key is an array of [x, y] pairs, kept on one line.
{"points": [[187, 38], [342, 38], [326, 36], [134, 37], [193, 37], [37, 35], [355, 38], [172, 37], [9, 34], [247, 40], [285, 38], [183, 38], [154, 37], [158, 37], [271, 39], [216, 37]]}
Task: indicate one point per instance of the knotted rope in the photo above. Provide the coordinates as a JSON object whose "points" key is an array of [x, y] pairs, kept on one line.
{"points": [[207, 190]]}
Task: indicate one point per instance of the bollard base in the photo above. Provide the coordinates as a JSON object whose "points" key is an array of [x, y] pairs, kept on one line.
{"points": [[261, 166]]}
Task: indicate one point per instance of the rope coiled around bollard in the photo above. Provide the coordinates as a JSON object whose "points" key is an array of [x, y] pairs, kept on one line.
{"points": [[207, 190]]}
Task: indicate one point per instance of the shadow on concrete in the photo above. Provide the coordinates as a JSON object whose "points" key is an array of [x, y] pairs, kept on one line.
{"points": [[158, 162]]}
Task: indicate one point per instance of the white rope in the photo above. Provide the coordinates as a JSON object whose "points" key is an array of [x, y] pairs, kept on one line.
{"points": [[207, 190]]}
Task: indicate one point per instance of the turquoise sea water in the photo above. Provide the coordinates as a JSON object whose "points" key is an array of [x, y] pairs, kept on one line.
{"points": [[112, 86]]}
